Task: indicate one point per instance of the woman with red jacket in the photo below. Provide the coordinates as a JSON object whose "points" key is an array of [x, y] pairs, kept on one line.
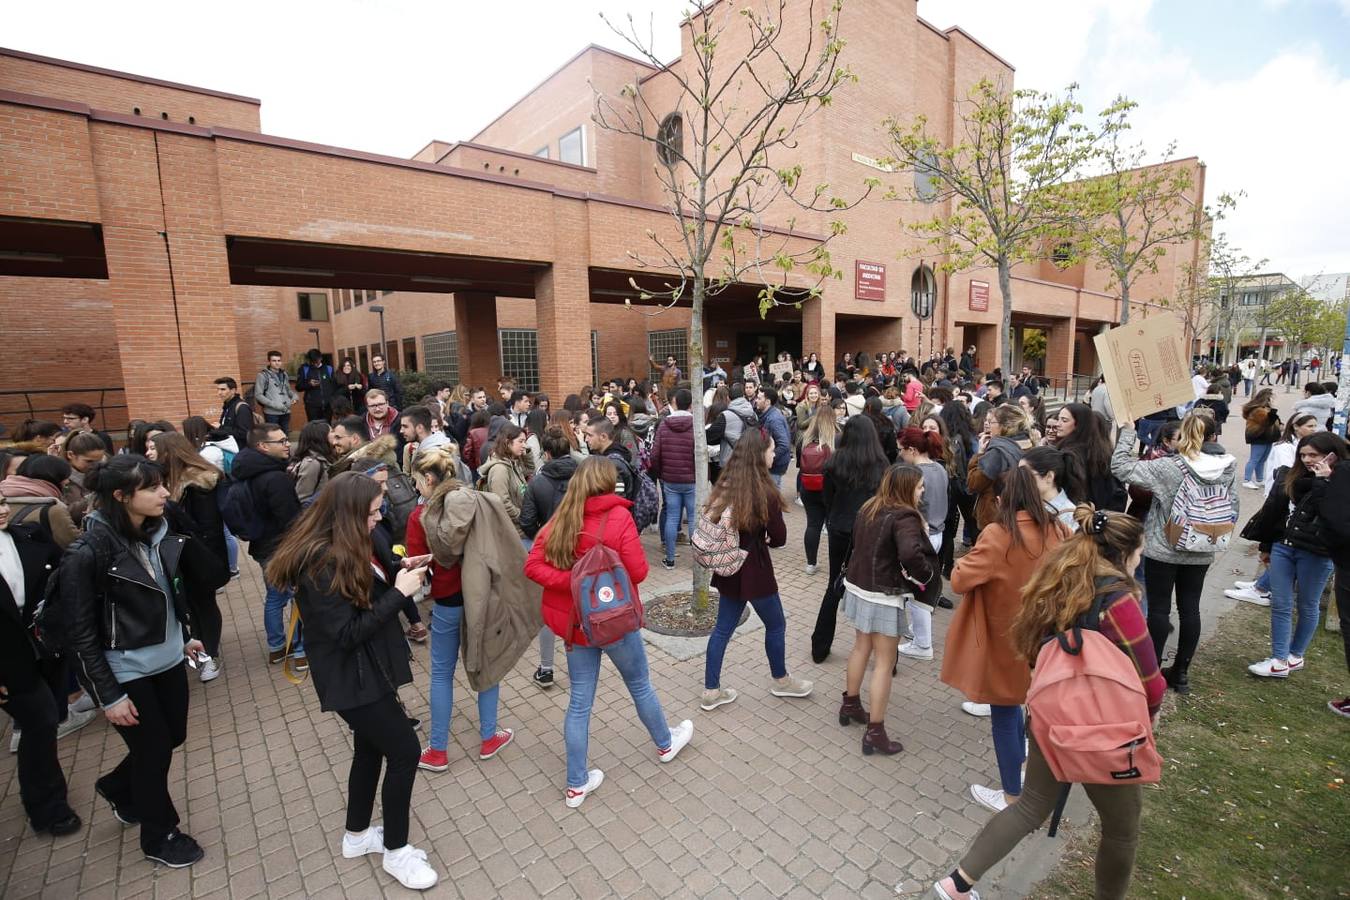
{"points": [[591, 512]]}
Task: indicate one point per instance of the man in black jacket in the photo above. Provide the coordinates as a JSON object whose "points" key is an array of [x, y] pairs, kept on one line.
{"points": [[600, 440], [383, 379], [262, 466], [236, 416]]}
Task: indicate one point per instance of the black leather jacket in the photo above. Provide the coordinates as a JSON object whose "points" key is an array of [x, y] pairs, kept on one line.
{"points": [[118, 605]]}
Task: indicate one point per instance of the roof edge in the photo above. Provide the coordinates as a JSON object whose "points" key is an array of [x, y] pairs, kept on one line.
{"points": [[947, 34], [127, 76]]}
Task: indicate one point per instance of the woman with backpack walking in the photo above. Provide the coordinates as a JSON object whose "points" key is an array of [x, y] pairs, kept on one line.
{"points": [[893, 564], [852, 474], [311, 459], [1298, 545], [504, 472], [1095, 562], [590, 514], [193, 510], [924, 450], [1177, 554], [980, 659], [129, 635], [1262, 430], [756, 513], [818, 439], [358, 657]]}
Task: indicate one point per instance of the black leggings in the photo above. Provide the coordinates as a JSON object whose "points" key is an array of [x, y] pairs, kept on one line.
{"points": [[206, 616], [1160, 579], [814, 503], [140, 783], [823, 637], [1343, 606], [381, 731], [42, 785]]}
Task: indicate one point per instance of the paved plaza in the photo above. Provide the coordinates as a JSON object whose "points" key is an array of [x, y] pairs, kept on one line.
{"points": [[771, 799]]}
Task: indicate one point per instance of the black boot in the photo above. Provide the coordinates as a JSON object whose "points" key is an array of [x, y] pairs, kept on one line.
{"points": [[1176, 678], [875, 740], [852, 710]]}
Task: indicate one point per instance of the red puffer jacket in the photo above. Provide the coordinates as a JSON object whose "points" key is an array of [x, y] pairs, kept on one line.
{"points": [[620, 535], [672, 458]]}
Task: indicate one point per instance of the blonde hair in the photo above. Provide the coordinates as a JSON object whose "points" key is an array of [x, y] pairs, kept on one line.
{"points": [[822, 427], [1192, 435]]}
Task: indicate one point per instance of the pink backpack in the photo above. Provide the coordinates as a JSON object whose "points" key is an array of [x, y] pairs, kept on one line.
{"points": [[1088, 708]]}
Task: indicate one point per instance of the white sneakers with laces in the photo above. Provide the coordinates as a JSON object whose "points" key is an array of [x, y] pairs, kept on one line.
{"points": [[1248, 595], [988, 797], [577, 796], [980, 710], [1270, 668], [680, 735]]}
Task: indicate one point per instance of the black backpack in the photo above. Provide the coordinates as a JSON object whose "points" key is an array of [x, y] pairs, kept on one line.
{"points": [[240, 511], [54, 615]]}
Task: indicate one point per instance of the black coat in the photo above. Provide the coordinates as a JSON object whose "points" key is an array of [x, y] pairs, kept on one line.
{"points": [[544, 493], [388, 382], [356, 656], [1334, 514], [196, 515], [842, 501], [20, 665], [117, 604], [273, 497], [237, 419]]}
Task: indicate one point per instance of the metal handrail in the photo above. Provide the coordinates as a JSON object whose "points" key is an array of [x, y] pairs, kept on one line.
{"points": [[33, 411]]}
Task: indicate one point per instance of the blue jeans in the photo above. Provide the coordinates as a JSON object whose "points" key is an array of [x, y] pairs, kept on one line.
{"points": [[583, 672], [1256, 463], [1287, 566], [1247, 386], [281, 420], [729, 609], [445, 632], [1143, 590], [678, 498], [1010, 746], [231, 549], [274, 619], [777, 478]]}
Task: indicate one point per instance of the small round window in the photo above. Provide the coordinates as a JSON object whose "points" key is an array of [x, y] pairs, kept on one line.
{"points": [[925, 177], [670, 139]]}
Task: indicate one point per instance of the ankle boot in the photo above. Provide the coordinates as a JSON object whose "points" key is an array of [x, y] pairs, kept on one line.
{"points": [[852, 710], [875, 741], [1177, 678]]}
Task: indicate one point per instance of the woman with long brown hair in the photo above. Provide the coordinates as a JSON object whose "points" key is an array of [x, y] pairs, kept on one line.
{"points": [[590, 513], [194, 510], [979, 659], [748, 495], [1097, 561], [504, 472], [359, 659], [1262, 430], [893, 564]]}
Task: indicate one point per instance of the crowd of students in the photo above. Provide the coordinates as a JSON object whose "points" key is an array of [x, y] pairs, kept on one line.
{"points": [[491, 505]]}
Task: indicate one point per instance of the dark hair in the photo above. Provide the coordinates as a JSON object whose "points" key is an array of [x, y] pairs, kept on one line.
{"points": [[572, 403], [82, 410], [33, 428], [140, 435], [8, 456], [536, 420], [769, 394], [313, 437], [341, 407], [1065, 467], [517, 396], [196, 429], [1295, 420], [331, 536], [960, 426], [480, 418], [45, 467], [417, 415], [1090, 439], [261, 434], [1323, 442], [541, 398], [554, 442], [602, 425], [355, 425], [858, 461], [127, 473], [683, 399], [1312, 389], [84, 442], [744, 485], [1170, 431], [272, 353], [1019, 494], [228, 382]]}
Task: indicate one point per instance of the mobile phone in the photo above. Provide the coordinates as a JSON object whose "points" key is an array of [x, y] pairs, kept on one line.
{"points": [[416, 562], [1330, 460]]}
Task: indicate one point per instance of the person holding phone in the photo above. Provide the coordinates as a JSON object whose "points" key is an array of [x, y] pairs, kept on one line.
{"points": [[1300, 559], [359, 659]]}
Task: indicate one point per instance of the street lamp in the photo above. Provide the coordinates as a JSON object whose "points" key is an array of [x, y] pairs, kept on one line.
{"points": [[315, 332], [384, 349]]}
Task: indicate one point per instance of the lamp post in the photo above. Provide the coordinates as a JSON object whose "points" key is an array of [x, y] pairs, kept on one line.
{"points": [[384, 348], [315, 332]]}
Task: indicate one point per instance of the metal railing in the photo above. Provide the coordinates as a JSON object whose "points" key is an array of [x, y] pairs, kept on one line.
{"points": [[17, 405]]}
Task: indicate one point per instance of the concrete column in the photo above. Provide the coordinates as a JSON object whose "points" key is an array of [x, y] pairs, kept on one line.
{"points": [[818, 334], [1059, 341], [987, 347], [562, 301], [479, 351]]}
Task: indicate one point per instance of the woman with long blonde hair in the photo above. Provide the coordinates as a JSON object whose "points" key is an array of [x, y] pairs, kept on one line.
{"points": [[1095, 562], [358, 657], [590, 512], [817, 443]]}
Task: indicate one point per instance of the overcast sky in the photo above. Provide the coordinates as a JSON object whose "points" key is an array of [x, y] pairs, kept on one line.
{"points": [[1258, 89]]}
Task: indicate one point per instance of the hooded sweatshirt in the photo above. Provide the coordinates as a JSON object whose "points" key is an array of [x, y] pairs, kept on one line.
{"points": [[1321, 405], [214, 451], [1163, 476], [738, 415]]}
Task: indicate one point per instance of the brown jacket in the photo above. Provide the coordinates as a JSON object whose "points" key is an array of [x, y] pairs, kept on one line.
{"points": [[979, 659]]}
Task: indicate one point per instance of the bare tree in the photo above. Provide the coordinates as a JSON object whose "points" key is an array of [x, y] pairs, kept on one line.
{"points": [[725, 158]]}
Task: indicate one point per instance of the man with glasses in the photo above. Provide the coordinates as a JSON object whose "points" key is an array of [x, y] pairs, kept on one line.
{"points": [[76, 417], [262, 467]]}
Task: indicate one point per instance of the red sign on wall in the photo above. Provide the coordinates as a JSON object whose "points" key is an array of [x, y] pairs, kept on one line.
{"points": [[979, 296], [869, 280]]}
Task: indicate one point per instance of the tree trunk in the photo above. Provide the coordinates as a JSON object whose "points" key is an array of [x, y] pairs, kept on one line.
{"points": [[702, 576], [1005, 288], [1124, 301]]}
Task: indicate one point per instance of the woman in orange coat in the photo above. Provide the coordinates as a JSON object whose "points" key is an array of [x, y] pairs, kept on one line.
{"points": [[980, 659]]}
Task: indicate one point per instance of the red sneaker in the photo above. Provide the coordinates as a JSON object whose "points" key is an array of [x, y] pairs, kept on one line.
{"points": [[493, 745], [433, 760]]}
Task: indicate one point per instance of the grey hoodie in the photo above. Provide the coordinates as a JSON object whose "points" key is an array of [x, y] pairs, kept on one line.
{"points": [[1321, 405], [1163, 477], [737, 414], [274, 393]]}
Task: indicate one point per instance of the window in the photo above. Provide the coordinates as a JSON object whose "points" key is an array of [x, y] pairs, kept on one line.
{"points": [[519, 348], [442, 354], [1062, 255], [313, 306], [363, 361], [391, 355], [410, 354], [358, 297], [670, 139], [923, 292], [542, 152], [925, 179], [595, 357], [1250, 298], [671, 342], [346, 299], [572, 146]]}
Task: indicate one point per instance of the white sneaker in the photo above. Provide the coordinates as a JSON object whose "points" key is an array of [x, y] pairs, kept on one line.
{"points": [[720, 697], [74, 722], [84, 704], [914, 651], [976, 709], [369, 841], [409, 866], [1248, 595], [1244, 585], [989, 797], [810, 569], [788, 686], [679, 736], [1269, 668], [1254, 485], [576, 796], [1295, 663], [210, 670]]}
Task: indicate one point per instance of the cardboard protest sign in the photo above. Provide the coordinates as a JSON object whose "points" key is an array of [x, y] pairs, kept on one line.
{"points": [[780, 370], [1145, 367]]}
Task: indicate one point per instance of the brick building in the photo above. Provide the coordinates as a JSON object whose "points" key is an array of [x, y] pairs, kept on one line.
{"points": [[152, 232]]}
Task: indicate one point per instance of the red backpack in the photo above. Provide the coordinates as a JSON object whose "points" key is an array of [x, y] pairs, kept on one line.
{"points": [[1088, 708], [814, 457], [605, 604]]}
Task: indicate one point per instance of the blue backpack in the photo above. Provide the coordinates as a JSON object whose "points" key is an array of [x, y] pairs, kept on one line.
{"points": [[605, 605]]}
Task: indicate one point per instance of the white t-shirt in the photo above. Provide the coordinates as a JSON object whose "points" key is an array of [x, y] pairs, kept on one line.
{"points": [[11, 568]]}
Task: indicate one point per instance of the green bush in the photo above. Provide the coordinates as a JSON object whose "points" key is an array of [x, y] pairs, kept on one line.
{"points": [[416, 385]]}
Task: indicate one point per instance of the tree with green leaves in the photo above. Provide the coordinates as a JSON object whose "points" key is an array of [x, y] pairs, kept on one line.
{"points": [[998, 185], [1296, 315], [725, 159]]}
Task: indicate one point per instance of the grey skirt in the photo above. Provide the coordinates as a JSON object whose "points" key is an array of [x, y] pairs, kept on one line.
{"points": [[874, 618]]}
